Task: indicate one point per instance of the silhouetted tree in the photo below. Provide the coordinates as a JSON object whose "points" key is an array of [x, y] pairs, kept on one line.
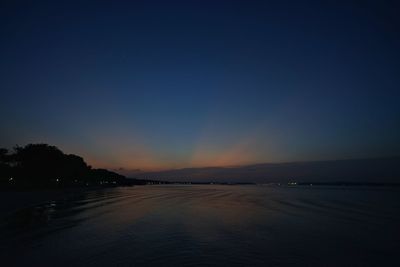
{"points": [[5, 168], [4, 155], [74, 168], [38, 161], [45, 165]]}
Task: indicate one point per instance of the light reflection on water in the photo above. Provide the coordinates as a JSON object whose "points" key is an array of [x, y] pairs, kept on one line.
{"points": [[211, 225]]}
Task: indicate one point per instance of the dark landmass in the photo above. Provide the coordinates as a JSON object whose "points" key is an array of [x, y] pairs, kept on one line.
{"points": [[293, 183], [373, 170], [41, 166]]}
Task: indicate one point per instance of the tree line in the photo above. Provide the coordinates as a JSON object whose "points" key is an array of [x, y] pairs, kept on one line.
{"points": [[43, 165]]}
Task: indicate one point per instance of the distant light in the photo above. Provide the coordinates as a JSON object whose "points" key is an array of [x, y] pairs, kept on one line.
{"points": [[57, 180], [11, 179]]}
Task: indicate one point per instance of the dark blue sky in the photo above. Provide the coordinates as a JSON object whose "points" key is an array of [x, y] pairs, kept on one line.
{"points": [[158, 85]]}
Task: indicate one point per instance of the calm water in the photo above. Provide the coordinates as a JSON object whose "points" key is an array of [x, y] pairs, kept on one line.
{"points": [[209, 225]]}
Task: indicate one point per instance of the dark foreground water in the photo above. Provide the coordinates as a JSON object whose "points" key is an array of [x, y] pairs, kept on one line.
{"points": [[205, 225]]}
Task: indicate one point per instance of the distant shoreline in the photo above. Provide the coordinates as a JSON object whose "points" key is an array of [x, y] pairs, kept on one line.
{"points": [[82, 188], [371, 184]]}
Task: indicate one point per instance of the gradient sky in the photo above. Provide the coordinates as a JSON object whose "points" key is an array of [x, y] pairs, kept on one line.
{"points": [[157, 85]]}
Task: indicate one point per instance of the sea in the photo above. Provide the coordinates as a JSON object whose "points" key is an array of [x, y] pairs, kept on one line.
{"points": [[208, 225]]}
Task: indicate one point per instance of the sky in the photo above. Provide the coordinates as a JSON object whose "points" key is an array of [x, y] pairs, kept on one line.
{"points": [[156, 85]]}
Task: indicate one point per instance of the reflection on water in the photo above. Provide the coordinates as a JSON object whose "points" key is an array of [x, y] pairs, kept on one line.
{"points": [[209, 225]]}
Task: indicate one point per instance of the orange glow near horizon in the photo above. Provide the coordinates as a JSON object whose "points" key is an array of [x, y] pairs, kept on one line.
{"points": [[129, 156]]}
